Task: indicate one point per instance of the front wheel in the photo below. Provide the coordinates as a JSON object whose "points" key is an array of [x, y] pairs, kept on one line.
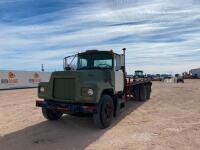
{"points": [[51, 114], [104, 115]]}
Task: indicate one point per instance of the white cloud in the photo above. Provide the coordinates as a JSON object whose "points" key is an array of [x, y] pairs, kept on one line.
{"points": [[158, 35]]}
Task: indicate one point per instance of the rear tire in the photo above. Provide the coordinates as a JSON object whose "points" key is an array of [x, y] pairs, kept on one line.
{"points": [[143, 93], [51, 114], [104, 115], [148, 91], [136, 92]]}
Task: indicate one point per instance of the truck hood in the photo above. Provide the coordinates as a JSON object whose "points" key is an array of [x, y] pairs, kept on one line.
{"points": [[85, 76]]}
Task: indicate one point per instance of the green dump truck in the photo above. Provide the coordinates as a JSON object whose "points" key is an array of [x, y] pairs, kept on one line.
{"points": [[93, 82]]}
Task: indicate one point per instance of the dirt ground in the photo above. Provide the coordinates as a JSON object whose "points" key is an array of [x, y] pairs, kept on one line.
{"points": [[169, 120]]}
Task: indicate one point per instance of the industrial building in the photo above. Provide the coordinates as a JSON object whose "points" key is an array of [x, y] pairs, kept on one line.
{"points": [[195, 72]]}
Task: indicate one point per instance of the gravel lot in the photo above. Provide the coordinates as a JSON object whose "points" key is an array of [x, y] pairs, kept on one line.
{"points": [[169, 120]]}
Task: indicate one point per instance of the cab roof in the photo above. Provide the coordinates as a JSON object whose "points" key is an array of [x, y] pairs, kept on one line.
{"points": [[89, 52]]}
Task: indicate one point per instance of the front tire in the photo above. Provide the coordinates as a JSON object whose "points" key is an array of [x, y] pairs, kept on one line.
{"points": [[104, 115], [51, 114]]}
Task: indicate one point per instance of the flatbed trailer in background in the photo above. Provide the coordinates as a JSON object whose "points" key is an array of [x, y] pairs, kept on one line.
{"points": [[98, 85]]}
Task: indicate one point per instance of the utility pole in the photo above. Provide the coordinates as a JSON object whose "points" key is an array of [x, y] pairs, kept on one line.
{"points": [[42, 67]]}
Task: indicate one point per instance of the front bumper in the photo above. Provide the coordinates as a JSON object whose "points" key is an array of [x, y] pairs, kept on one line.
{"points": [[67, 107]]}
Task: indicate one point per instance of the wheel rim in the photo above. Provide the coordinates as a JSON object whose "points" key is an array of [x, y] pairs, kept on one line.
{"points": [[107, 111]]}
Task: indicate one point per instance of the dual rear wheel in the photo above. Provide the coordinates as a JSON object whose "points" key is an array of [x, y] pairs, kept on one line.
{"points": [[142, 92]]}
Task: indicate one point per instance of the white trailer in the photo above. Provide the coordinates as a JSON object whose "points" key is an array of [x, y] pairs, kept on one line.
{"points": [[195, 72], [10, 79]]}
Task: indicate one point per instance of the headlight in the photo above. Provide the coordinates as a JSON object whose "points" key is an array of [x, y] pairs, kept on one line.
{"points": [[90, 92], [42, 89], [87, 92]]}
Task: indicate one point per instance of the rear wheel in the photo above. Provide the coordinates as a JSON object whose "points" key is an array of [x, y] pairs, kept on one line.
{"points": [[104, 115], [51, 114], [143, 93], [136, 92], [148, 86]]}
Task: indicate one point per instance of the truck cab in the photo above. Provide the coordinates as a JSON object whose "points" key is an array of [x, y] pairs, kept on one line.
{"points": [[92, 82], [179, 78], [139, 74], [84, 81]]}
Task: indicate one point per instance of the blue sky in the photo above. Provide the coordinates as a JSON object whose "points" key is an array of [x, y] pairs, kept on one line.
{"points": [[161, 36]]}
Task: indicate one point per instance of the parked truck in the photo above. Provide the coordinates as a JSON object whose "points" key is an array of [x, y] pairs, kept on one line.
{"points": [[178, 78], [93, 82]]}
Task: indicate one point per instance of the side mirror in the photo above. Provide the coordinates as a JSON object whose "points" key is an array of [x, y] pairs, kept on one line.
{"points": [[69, 63], [68, 68]]}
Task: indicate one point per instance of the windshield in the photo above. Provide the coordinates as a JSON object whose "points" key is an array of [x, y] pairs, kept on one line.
{"points": [[95, 61], [139, 73]]}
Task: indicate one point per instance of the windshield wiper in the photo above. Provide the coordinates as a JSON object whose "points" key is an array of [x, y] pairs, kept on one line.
{"points": [[100, 68], [83, 68], [86, 68]]}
